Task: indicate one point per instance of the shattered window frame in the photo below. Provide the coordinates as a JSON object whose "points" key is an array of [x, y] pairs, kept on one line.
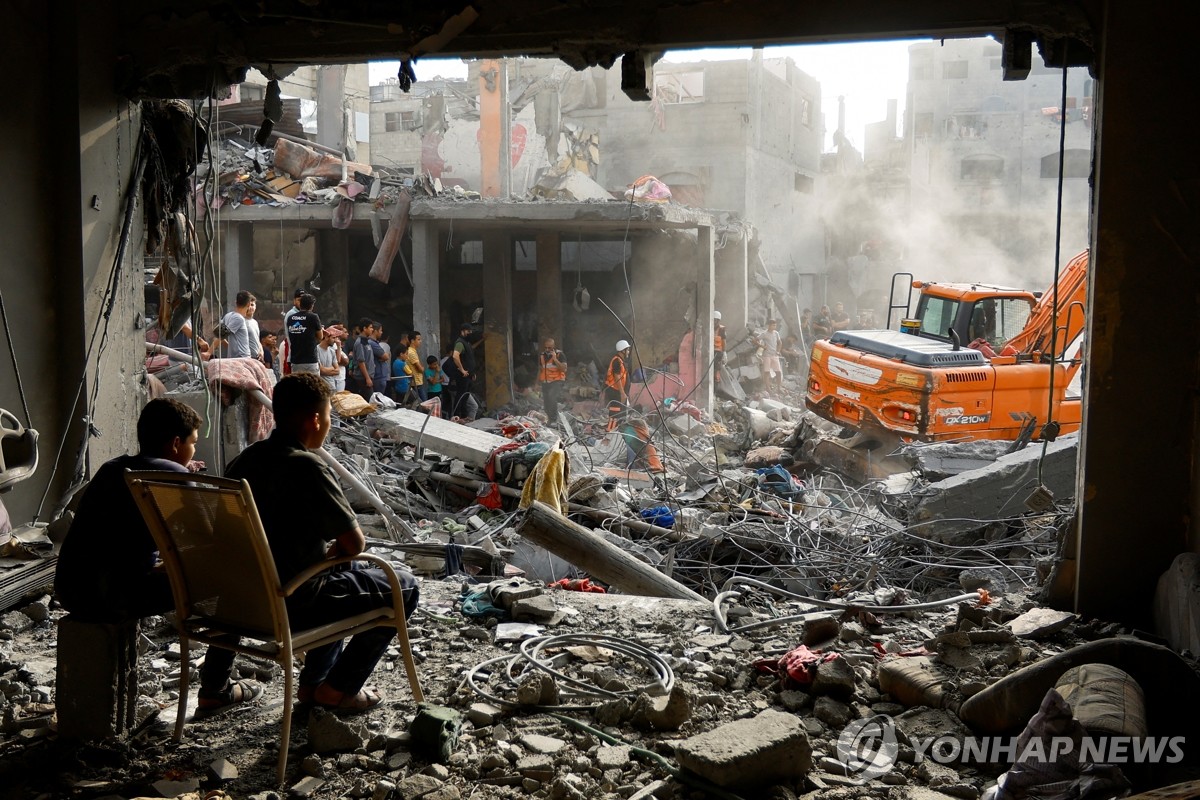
{"points": [[679, 87]]}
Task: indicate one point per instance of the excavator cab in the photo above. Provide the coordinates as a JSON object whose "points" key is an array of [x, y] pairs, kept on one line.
{"points": [[964, 314]]}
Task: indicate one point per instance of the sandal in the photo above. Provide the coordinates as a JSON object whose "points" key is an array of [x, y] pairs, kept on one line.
{"points": [[306, 692], [332, 700], [233, 694]]}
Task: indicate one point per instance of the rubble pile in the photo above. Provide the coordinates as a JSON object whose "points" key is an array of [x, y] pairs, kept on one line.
{"points": [[636, 698], [725, 619]]}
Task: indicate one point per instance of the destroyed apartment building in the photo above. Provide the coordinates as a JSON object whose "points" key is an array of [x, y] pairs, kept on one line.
{"points": [[682, 597]]}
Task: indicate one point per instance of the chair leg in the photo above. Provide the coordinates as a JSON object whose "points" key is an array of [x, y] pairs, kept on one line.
{"points": [[410, 666], [185, 668], [285, 736]]}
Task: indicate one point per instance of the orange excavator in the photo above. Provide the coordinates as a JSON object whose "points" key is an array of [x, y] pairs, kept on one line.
{"points": [[973, 362]]}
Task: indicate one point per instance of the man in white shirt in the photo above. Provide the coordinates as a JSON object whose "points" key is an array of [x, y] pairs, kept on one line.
{"points": [[772, 368], [236, 324], [332, 358]]}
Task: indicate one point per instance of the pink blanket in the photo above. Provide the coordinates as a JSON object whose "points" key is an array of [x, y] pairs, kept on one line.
{"points": [[227, 374]]}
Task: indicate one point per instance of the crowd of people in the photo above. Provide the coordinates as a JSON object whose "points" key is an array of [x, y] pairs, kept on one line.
{"points": [[362, 360]]}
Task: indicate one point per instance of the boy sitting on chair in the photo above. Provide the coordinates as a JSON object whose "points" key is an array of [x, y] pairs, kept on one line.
{"points": [[106, 565], [307, 519]]}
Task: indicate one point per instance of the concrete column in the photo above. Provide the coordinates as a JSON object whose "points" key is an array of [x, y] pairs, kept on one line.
{"points": [[731, 298], [703, 343], [492, 99], [238, 254], [331, 112], [549, 288], [1138, 478], [426, 301], [497, 316]]}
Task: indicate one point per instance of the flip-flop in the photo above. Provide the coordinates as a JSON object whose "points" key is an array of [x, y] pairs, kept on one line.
{"points": [[363, 700], [235, 693]]}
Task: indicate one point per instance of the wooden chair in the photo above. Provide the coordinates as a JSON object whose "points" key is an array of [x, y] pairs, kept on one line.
{"points": [[224, 582]]}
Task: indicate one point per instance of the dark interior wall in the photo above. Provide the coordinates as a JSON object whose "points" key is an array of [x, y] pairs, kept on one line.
{"points": [[390, 303], [69, 152], [29, 232], [1138, 478]]}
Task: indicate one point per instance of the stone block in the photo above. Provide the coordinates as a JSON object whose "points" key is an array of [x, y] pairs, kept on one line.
{"points": [[97, 679], [1038, 623], [769, 748], [834, 678]]}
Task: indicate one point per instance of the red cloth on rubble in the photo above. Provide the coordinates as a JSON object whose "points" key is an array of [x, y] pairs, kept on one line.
{"points": [[578, 585], [797, 667], [227, 374]]}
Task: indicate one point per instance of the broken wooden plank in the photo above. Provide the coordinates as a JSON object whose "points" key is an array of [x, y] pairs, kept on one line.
{"points": [[591, 553], [469, 445]]}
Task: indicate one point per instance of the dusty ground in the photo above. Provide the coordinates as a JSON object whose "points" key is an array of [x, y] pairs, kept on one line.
{"points": [[518, 754]]}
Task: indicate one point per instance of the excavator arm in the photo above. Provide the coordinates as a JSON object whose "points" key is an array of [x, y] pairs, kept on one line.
{"points": [[1038, 335]]}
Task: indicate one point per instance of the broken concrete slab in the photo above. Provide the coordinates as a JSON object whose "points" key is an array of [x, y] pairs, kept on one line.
{"points": [[469, 445], [950, 511], [941, 460], [1038, 623], [771, 747]]}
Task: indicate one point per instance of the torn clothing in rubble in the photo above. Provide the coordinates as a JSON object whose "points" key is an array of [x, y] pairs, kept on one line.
{"points": [[227, 374], [105, 570]]}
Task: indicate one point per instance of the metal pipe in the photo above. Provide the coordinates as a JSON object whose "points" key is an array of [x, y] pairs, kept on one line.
{"points": [[175, 355]]}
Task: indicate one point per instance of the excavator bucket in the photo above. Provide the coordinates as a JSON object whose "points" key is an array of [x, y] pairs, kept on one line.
{"points": [[862, 458]]}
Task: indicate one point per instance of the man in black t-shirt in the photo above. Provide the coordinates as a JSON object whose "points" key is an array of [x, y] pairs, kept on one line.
{"points": [[304, 333], [106, 564], [307, 519]]}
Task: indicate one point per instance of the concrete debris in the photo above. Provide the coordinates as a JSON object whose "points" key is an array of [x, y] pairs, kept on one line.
{"points": [[771, 747], [950, 510], [651, 696], [1038, 623], [1177, 604]]}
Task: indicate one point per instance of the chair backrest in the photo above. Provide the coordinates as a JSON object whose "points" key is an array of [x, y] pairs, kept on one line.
{"points": [[215, 551]]}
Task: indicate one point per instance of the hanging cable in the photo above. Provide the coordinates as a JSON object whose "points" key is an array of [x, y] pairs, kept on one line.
{"points": [[12, 352], [1050, 429]]}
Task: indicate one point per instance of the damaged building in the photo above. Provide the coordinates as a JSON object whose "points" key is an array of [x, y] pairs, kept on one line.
{"points": [[761, 613]]}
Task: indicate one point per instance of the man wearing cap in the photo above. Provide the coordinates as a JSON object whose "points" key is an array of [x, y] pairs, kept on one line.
{"points": [[616, 381], [285, 349], [460, 368]]}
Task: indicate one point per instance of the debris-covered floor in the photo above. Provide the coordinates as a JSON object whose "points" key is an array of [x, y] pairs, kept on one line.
{"points": [[837, 604]]}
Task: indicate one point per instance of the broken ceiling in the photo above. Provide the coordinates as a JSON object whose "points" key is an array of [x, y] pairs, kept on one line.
{"points": [[186, 47]]}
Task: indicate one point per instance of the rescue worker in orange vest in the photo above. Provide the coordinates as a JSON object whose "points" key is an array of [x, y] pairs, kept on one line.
{"points": [[552, 373], [718, 346], [616, 383]]}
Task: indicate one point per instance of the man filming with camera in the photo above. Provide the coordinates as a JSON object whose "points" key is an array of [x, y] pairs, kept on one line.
{"points": [[552, 373]]}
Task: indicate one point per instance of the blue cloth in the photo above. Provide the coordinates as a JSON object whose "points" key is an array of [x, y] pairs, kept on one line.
{"points": [[779, 481], [660, 516]]}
